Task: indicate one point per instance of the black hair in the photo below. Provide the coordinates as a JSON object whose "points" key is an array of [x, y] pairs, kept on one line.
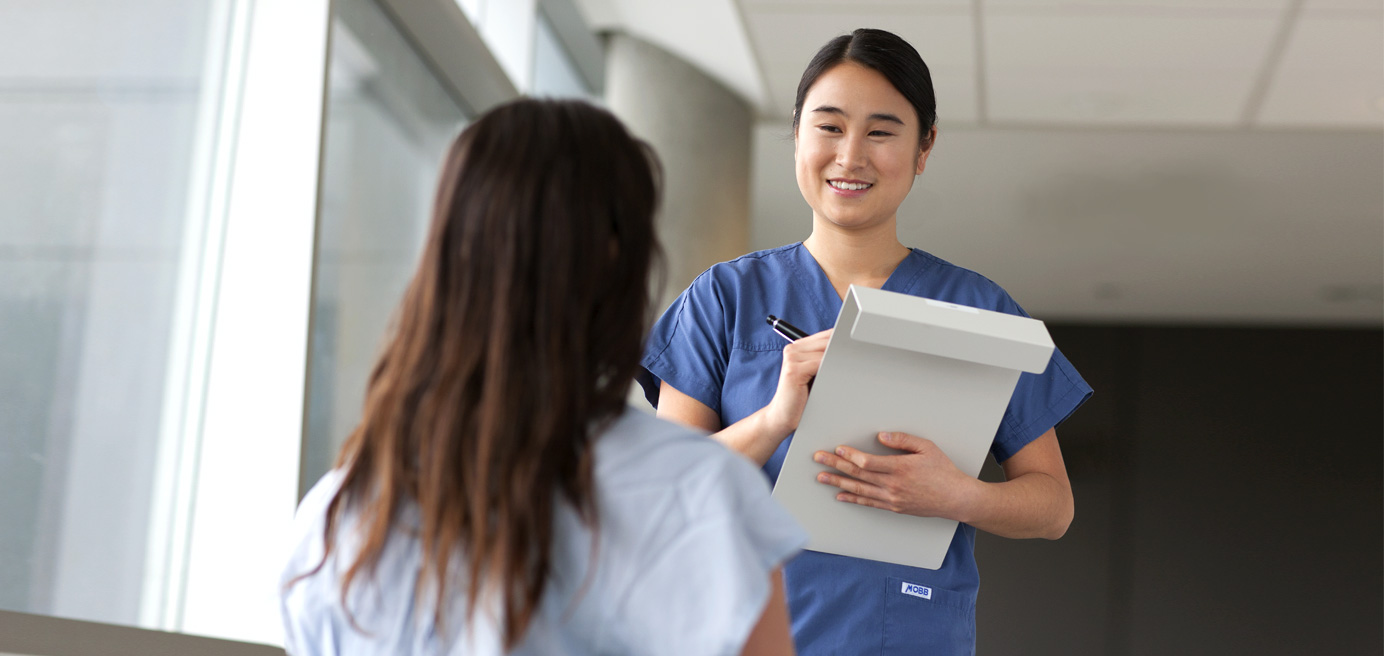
{"points": [[885, 53]]}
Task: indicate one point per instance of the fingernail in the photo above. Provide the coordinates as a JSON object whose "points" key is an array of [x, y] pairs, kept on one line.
{"points": [[887, 437], [823, 478], [841, 451], [819, 457]]}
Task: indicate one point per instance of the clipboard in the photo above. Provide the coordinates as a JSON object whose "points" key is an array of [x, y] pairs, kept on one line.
{"points": [[897, 362]]}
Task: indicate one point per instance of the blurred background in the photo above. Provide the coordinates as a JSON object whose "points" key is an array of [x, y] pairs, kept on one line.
{"points": [[208, 210]]}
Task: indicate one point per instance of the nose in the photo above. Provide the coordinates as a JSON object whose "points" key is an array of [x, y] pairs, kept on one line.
{"points": [[851, 153]]}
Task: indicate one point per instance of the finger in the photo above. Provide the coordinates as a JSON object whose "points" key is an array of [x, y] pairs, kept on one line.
{"points": [[813, 342], [904, 442], [866, 461], [859, 500], [843, 465], [803, 350], [851, 485]]}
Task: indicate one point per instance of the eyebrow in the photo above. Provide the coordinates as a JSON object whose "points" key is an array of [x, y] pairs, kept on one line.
{"points": [[878, 116]]}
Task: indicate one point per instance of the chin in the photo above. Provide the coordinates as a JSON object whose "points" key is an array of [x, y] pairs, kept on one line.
{"points": [[851, 223]]}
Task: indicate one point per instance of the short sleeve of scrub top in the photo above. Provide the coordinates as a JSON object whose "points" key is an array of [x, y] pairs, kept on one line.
{"points": [[714, 345]]}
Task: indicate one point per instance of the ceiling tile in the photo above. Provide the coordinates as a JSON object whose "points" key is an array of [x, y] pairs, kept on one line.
{"points": [[1344, 5], [1331, 73], [864, 5], [1123, 70], [1130, 6], [785, 41], [1319, 45], [1129, 45]]}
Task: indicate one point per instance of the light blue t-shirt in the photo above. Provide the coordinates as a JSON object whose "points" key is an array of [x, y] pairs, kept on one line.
{"points": [[688, 537]]}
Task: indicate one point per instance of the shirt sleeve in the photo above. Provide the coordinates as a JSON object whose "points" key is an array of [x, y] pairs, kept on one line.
{"points": [[689, 346], [704, 588], [1040, 401]]}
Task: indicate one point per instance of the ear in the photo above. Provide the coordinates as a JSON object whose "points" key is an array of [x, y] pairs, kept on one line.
{"points": [[924, 152]]}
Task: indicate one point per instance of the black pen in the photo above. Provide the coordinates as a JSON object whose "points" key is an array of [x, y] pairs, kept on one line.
{"points": [[789, 331]]}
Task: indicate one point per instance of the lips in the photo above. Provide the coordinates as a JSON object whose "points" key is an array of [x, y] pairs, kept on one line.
{"points": [[849, 185], [846, 188]]}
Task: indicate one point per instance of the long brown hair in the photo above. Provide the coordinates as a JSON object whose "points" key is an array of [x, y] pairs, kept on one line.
{"points": [[514, 345]]}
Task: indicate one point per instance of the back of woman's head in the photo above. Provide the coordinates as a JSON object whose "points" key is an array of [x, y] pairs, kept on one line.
{"points": [[890, 56], [516, 340]]}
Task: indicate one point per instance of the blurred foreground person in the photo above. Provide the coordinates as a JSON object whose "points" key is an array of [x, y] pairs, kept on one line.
{"points": [[497, 496]]}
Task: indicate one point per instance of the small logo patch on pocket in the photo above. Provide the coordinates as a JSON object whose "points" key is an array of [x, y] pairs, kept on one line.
{"points": [[916, 590]]}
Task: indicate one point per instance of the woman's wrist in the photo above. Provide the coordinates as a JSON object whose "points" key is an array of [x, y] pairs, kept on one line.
{"points": [[755, 437], [969, 500], [775, 422]]}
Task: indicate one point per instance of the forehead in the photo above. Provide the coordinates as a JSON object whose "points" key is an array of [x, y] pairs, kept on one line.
{"points": [[859, 92]]}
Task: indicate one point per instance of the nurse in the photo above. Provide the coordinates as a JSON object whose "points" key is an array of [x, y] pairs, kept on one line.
{"points": [[864, 124]]}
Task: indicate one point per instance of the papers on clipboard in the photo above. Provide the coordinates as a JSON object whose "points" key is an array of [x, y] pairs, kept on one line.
{"points": [[902, 363]]}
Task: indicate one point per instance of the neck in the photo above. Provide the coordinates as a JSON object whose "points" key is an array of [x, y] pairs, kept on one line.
{"points": [[865, 258]]}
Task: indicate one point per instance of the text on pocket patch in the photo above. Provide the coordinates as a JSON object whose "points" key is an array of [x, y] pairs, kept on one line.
{"points": [[916, 590]]}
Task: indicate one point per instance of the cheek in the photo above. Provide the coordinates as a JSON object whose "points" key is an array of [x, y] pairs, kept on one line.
{"points": [[808, 156], [901, 163], [807, 163]]}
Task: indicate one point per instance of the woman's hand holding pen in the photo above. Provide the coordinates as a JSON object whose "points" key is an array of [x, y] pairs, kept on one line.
{"points": [[801, 360], [760, 434], [923, 481]]}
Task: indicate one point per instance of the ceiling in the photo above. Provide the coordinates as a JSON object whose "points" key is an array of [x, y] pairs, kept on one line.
{"points": [[1190, 161], [1201, 63], [1141, 63]]}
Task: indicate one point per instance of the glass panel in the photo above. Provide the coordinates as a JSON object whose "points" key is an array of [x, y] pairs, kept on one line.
{"points": [[389, 122], [103, 138]]}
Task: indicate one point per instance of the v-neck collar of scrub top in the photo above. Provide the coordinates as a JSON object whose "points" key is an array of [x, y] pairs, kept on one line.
{"points": [[824, 293]]}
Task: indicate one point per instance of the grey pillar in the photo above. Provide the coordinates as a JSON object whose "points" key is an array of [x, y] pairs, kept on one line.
{"points": [[702, 133]]}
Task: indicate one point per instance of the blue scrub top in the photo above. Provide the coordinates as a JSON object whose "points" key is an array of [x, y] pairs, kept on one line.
{"points": [[714, 345]]}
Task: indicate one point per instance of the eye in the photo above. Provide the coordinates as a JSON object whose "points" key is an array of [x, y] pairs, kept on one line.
{"points": [[881, 133], [829, 128]]}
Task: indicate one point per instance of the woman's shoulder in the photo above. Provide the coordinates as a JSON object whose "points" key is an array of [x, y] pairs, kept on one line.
{"points": [[723, 287], [642, 453], [636, 435], [662, 484], [939, 267], [322, 492], [689, 531], [939, 279], [770, 261]]}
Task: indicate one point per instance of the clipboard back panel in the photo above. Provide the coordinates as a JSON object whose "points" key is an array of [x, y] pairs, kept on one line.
{"points": [[862, 389]]}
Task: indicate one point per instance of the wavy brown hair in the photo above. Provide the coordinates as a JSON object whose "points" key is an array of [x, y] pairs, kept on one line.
{"points": [[515, 344]]}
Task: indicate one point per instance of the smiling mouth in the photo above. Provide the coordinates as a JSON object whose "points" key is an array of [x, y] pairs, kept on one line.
{"points": [[849, 186]]}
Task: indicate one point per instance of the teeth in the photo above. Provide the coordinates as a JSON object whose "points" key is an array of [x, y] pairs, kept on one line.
{"points": [[848, 186]]}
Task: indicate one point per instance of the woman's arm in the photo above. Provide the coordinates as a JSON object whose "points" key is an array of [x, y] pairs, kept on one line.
{"points": [[772, 635], [1035, 500], [758, 435]]}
